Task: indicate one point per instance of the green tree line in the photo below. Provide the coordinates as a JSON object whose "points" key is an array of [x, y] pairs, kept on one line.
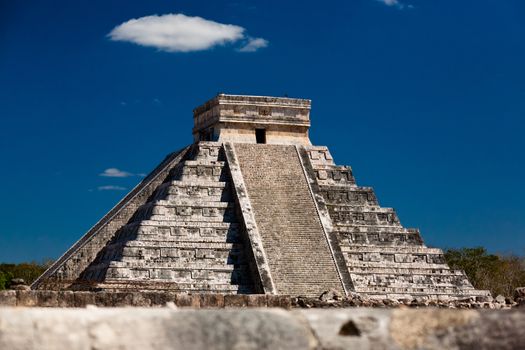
{"points": [[29, 271], [500, 274]]}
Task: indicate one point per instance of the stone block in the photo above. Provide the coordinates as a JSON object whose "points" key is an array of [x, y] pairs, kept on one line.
{"points": [[139, 299], [183, 300], [256, 300], [7, 298], [47, 298], [66, 298], [195, 301], [188, 300], [120, 299], [273, 300], [214, 300], [26, 298], [235, 300], [285, 301], [159, 298], [82, 299], [282, 301]]}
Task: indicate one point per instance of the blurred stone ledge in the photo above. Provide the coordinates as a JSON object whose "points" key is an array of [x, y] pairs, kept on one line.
{"points": [[258, 328]]}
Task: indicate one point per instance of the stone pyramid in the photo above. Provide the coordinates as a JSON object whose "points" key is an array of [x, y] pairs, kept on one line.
{"points": [[252, 207]]}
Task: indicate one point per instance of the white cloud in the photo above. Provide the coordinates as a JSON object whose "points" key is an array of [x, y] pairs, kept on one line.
{"points": [[396, 3], [389, 2], [114, 172], [254, 44], [177, 33], [111, 188]]}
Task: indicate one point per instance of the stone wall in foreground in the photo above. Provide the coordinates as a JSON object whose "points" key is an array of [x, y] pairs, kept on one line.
{"points": [[169, 328]]}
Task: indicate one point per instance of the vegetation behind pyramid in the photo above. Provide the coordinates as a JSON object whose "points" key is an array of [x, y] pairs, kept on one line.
{"points": [[253, 207]]}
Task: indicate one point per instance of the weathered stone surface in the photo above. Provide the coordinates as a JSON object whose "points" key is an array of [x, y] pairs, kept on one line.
{"points": [[151, 329], [212, 300], [26, 298], [500, 299], [432, 329], [331, 295], [349, 329], [170, 328], [8, 298], [234, 301]]}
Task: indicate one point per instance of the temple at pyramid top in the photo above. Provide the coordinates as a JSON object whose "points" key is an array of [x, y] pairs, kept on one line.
{"points": [[253, 207], [253, 119]]}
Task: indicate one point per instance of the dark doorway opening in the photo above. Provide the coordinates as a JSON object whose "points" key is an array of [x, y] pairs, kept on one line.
{"points": [[260, 135]]}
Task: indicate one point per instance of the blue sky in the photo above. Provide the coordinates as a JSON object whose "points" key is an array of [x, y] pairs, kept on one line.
{"points": [[425, 99]]}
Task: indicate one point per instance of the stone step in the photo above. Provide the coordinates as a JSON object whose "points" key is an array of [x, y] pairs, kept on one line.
{"points": [[196, 170], [184, 224], [188, 245], [162, 250], [196, 202], [179, 230], [359, 265], [363, 228], [364, 215], [379, 229], [178, 265], [392, 250], [228, 217], [207, 190], [233, 276], [434, 269], [334, 175], [232, 237], [379, 238], [159, 285], [319, 155], [420, 291], [203, 163], [348, 195], [360, 208], [204, 211], [206, 150], [408, 278], [200, 183], [189, 258], [431, 284]]}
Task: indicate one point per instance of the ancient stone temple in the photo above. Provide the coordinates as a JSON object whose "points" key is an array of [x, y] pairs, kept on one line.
{"points": [[253, 207]]}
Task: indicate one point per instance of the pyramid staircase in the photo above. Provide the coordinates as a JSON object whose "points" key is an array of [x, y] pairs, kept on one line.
{"points": [[383, 257], [186, 237]]}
